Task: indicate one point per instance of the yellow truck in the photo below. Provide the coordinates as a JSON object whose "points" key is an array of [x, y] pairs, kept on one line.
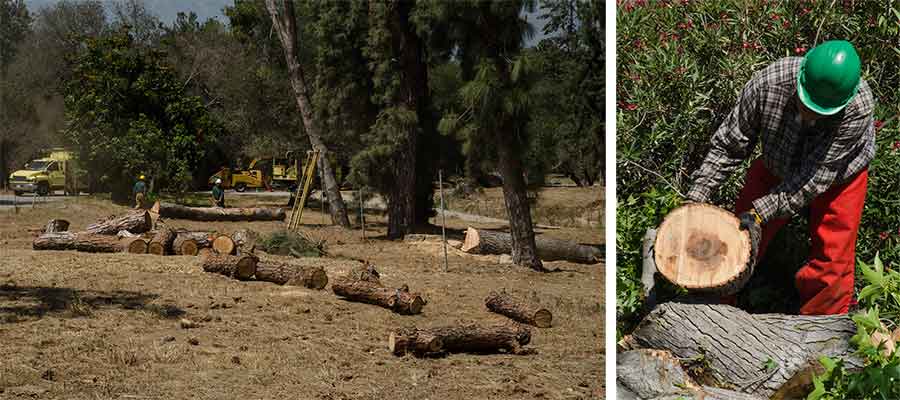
{"points": [[262, 173], [57, 171]]}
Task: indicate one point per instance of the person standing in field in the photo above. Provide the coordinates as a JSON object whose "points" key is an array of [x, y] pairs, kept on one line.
{"points": [[139, 191], [814, 119], [218, 194]]}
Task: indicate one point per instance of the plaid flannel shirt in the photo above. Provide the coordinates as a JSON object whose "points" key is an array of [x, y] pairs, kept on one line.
{"points": [[808, 157]]}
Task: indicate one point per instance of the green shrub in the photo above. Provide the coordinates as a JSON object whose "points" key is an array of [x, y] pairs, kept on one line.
{"points": [[680, 67], [287, 243]]}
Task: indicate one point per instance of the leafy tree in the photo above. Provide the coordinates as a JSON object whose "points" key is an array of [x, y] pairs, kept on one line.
{"points": [[14, 26]]}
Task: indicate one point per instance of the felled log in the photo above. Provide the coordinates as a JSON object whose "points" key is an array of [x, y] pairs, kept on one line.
{"points": [[168, 210], [701, 248], [223, 244], [133, 221], [56, 225], [736, 346], [656, 375], [479, 241], [467, 338], [291, 274], [401, 301], [80, 241], [238, 267], [517, 309], [189, 243], [135, 245], [161, 244], [245, 240]]}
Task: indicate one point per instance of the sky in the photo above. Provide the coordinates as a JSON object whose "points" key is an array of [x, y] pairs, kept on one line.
{"points": [[167, 10]]}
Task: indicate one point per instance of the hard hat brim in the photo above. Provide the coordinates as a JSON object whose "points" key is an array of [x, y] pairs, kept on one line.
{"points": [[810, 104]]}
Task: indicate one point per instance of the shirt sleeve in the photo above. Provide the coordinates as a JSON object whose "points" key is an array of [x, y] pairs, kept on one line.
{"points": [[730, 145], [818, 172]]}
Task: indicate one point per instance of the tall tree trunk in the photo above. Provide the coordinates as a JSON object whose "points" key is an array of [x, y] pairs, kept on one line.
{"points": [[4, 171], [524, 250], [285, 24]]}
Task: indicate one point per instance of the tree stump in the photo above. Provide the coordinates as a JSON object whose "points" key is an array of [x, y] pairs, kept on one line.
{"points": [[400, 301], [175, 211], [466, 338], [57, 225], [134, 222], [238, 267], [223, 244], [80, 241], [292, 275], [702, 248], [479, 241], [161, 243], [517, 309]]}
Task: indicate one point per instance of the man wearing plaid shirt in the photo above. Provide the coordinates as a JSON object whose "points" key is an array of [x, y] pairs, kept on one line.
{"points": [[813, 117]]}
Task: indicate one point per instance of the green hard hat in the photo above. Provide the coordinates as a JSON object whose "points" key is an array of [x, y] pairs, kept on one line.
{"points": [[829, 77]]}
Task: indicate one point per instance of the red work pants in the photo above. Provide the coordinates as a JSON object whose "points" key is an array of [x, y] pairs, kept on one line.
{"points": [[825, 283]]}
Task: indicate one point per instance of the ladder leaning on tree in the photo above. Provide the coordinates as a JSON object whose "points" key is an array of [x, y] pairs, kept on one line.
{"points": [[312, 157]]}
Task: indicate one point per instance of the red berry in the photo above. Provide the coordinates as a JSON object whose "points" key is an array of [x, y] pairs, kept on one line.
{"points": [[878, 124], [786, 24], [883, 235], [630, 107], [745, 45], [775, 17]]}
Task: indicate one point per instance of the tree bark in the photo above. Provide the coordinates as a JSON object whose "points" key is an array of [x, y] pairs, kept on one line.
{"points": [[80, 241], [237, 267], [401, 301], [736, 346], [479, 241], [223, 244], [57, 225], [517, 309], [245, 240], [466, 338], [524, 250], [134, 222], [284, 23], [176, 211], [189, 243], [161, 243], [292, 275]]}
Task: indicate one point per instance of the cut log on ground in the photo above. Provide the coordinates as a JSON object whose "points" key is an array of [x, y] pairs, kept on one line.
{"points": [[134, 222], [656, 375], [189, 243], [701, 248], [238, 267], [479, 241], [223, 244], [80, 241], [517, 309], [161, 244], [468, 338], [401, 301], [57, 225], [167, 210], [245, 240], [736, 346], [292, 275], [135, 245]]}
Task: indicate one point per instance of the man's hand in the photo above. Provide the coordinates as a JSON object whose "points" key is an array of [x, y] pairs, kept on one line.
{"points": [[752, 223]]}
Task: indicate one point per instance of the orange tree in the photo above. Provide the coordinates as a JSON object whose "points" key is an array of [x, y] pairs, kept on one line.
{"points": [[681, 66]]}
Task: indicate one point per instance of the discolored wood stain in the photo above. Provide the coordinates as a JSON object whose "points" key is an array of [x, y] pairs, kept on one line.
{"points": [[708, 250]]}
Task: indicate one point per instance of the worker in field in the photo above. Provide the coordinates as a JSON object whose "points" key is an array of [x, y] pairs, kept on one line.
{"points": [[814, 118], [139, 191], [218, 194]]}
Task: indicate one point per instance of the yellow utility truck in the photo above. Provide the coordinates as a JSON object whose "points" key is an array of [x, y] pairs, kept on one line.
{"points": [[270, 172], [57, 171]]}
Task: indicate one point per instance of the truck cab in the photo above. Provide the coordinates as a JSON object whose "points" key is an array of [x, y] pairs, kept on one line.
{"points": [[45, 175]]}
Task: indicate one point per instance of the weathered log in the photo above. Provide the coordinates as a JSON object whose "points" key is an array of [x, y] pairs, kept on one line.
{"points": [[80, 241], [161, 244], [755, 354], [290, 274], [401, 301], [56, 225], [223, 244], [134, 222], [467, 338], [479, 241], [135, 245], [517, 309], [167, 210], [238, 267], [245, 240], [701, 247], [189, 243]]}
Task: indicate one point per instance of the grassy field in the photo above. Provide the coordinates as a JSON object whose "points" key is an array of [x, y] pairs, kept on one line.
{"points": [[106, 326], [561, 206]]}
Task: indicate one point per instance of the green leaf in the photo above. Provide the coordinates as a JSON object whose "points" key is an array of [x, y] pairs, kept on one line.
{"points": [[818, 389]]}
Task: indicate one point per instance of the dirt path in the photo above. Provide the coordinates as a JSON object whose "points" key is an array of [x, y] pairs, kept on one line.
{"points": [[88, 326]]}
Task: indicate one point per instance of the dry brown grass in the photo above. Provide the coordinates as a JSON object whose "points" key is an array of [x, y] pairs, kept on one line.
{"points": [[560, 206], [106, 326]]}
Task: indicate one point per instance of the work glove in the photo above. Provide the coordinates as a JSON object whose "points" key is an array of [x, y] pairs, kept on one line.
{"points": [[752, 223]]}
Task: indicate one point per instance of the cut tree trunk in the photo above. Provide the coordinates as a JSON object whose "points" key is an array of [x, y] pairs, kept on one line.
{"points": [[701, 248], [134, 222], [401, 301], [284, 22], [80, 241], [161, 244], [175, 211], [223, 244], [736, 346], [57, 225], [468, 338], [517, 309], [479, 241], [245, 240], [135, 245], [238, 267], [189, 243], [292, 275]]}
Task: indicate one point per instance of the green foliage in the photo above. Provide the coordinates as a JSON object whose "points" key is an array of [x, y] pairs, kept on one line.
{"points": [[681, 66], [287, 243]]}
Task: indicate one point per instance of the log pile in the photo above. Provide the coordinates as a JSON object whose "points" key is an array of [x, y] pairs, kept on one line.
{"points": [[175, 211], [480, 241], [362, 285], [517, 309], [464, 338]]}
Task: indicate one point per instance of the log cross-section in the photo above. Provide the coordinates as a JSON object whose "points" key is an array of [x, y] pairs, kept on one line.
{"points": [[517, 309], [161, 243], [480, 241], [223, 244]]}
